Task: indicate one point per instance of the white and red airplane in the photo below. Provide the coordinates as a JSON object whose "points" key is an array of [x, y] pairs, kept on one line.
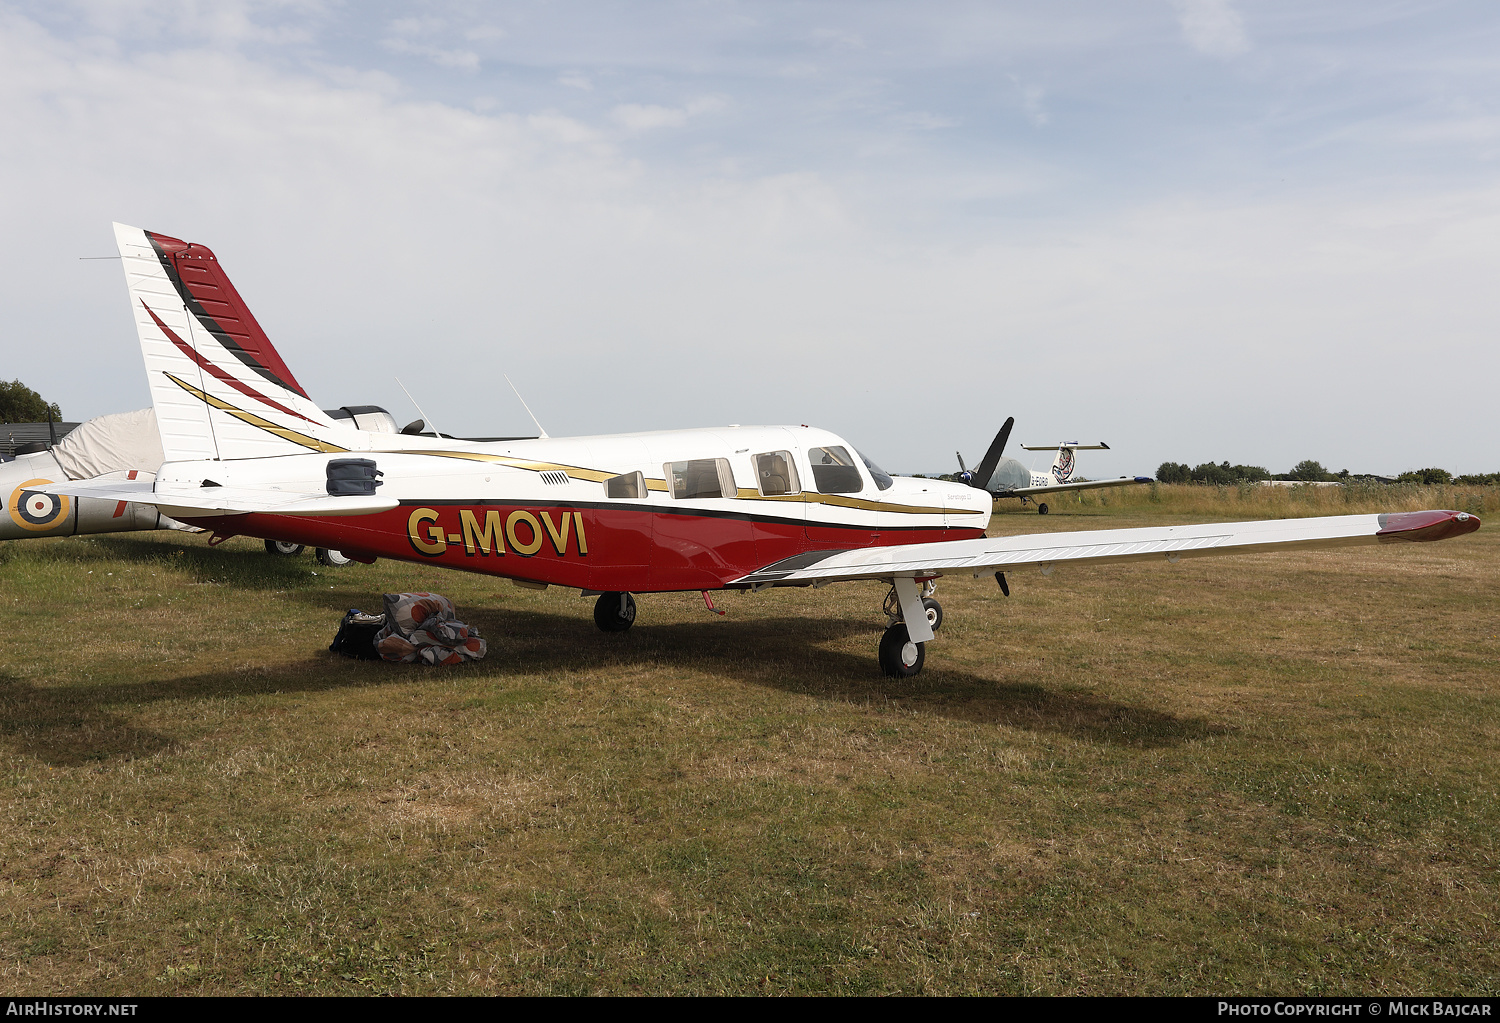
{"points": [[247, 452]]}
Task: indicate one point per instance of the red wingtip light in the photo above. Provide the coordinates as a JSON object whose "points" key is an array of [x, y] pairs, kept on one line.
{"points": [[1425, 525]]}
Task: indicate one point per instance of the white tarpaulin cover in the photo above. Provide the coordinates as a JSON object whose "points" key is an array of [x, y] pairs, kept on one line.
{"points": [[127, 440]]}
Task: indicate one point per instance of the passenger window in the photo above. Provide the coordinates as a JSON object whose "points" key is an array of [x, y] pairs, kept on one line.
{"points": [[776, 475], [701, 477], [834, 471], [631, 485]]}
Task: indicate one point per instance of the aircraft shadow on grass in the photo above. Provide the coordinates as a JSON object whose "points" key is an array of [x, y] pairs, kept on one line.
{"points": [[78, 724]]}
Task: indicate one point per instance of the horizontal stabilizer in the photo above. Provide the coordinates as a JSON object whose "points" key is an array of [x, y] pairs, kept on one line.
{"points": [[1170, 543], [184, 501], [1123, 481], [1101, 446]]}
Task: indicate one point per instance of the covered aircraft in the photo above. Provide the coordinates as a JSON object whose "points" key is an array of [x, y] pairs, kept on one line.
{"points": [[1007, 477], [248, 452], [127, 442]]}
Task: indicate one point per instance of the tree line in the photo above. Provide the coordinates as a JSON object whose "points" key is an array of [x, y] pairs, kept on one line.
{"points": [[1307, 471], [20, 404]]}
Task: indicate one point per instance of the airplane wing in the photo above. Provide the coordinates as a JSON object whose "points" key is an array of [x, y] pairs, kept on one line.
{"points": [[1123, 481], [1169, 543], [184, 501]]}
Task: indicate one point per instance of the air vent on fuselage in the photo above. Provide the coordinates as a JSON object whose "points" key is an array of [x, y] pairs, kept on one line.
{"points": [[554, 478]]}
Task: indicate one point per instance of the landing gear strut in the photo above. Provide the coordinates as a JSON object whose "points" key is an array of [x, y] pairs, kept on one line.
{"points": [[614, 612], [914, 618], [930, 607]]}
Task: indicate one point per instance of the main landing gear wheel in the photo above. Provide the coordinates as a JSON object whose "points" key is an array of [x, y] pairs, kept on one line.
{"points": [[899, 656], [614, 612], [1041, 509], [332, 558], [934, 613], [282, 547]]}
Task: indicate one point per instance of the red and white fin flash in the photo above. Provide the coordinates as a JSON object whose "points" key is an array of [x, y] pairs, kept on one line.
{"points": [[220, 388]]}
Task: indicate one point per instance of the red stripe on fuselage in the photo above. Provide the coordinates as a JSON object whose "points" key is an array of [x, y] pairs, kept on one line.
{"points": [[218, 373], [627, 549]]}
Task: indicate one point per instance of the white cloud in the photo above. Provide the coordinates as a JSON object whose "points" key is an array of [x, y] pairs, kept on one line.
{"points": [[404, 39], [920, 120], [576, 81], [218, 22], [463, 60], [644, 117], [1212, 27], [1031, 104]]}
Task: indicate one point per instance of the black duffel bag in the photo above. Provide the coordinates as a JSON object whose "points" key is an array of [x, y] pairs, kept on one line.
{"points": [[356, 636]]}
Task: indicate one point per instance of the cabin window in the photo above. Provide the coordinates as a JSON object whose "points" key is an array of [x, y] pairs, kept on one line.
{"points": [[834, 472], [699, 478], [880, 476], [631, 485], [775, 474]]}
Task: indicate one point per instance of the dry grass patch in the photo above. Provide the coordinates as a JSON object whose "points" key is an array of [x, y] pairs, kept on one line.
{"points": [[1255, 774]]}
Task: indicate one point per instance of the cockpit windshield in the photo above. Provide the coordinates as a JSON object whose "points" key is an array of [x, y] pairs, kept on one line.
{"points": [[882, 478]]}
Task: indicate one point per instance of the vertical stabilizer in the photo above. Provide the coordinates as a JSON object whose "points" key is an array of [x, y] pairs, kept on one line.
{"points": [[219, 387], [1063, 465]]}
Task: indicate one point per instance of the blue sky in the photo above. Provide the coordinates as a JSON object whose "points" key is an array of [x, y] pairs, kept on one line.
{"points": [[1199, 229]]}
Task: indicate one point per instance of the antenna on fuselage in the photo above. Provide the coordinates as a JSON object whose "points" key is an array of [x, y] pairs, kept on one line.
{"points": [[539, 430], [425, 417]]}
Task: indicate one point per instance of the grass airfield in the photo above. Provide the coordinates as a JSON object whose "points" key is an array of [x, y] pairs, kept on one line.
{"points": [[1269, 773]]}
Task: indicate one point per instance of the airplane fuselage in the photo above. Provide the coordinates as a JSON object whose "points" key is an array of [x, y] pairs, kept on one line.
{"points": [[646, 512]]}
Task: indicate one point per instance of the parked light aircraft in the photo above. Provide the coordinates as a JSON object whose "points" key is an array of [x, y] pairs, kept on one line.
{"points": [[1006, 477], [128, 442], [247, 452]]}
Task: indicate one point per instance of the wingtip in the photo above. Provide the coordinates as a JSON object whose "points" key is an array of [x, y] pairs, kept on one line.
{"points": [[1423, 526]]}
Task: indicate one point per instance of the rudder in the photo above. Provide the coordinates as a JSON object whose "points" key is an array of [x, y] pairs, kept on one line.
{"points": [[219, 387]]}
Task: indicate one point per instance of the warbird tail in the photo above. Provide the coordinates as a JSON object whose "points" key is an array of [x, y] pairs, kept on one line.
{"points": [[220, 388]]}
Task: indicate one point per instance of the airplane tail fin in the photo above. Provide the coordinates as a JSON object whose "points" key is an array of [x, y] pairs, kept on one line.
{"points": [[219, 387], [1064, 464]]}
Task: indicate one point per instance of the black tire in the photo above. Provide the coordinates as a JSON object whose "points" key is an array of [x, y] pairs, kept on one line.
{"points": [[614, 612], [290, 550], [934, 613], [332, 558], [899, 656], [1041, 509]]}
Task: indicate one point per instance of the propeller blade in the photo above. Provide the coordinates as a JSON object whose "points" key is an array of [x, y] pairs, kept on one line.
{"points": [[991, 458], [961, 466]]}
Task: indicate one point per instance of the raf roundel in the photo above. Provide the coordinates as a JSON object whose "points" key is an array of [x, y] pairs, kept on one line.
{"points": [[36, 512]]}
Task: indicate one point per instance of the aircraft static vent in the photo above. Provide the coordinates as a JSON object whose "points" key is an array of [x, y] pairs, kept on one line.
{"points": [[554, 478]]}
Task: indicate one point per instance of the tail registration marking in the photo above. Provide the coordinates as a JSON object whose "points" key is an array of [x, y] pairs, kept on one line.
{"points": [[523, 532]]}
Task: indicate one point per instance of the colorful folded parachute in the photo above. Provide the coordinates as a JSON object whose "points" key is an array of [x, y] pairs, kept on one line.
{"points": [[424, 627]]}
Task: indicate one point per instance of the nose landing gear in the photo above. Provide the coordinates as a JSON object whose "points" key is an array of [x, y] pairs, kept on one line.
{"points": [[899, 656], [914, 617]]}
